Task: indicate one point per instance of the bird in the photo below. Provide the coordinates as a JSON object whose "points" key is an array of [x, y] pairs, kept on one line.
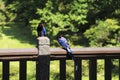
{"points": [[65, 45], [41, 30]]}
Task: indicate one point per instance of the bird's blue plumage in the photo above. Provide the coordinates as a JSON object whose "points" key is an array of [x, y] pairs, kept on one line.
{"points": [[43, 32], [63, 42]]}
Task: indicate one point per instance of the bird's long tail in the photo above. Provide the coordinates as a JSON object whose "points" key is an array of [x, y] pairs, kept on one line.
{"points": [[69, 51], [73, 58]]}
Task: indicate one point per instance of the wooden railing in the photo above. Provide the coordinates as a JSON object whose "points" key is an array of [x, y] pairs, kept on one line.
{"points": [[91, 54], [43, 61], [31, 54]]}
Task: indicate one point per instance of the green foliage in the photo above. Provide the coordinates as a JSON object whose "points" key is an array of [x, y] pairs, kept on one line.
{"points": [[85, 67], [3, 17], [67, 16], [2, 13], [5, 14], [62, 16], [103, 33], [21, 10]]}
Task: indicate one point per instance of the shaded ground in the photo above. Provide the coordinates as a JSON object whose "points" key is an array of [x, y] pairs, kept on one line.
{"points": [[16, 35], [20, 32], [23, 34]]}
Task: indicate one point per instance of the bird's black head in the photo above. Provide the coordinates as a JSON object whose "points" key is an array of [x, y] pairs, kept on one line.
{"points": [[59, 36]]}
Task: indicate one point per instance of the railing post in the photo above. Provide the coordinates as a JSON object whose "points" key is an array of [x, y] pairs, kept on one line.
{"points": [[108, 64], [23, 70], [93, 69], [6, 70], [78, 72], [62, 69], [43, 62]]}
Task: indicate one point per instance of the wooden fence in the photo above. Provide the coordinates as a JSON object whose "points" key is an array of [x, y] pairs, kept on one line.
{"points": [[43, 61]]}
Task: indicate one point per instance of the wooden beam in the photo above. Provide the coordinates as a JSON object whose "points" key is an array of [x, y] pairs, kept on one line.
{"points": [[87, 51], [18, 52], [57, 53]]}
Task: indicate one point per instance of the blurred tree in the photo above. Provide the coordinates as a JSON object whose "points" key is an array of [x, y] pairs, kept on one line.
{"points": [[3, 14], [103, 9], [62, 15], [104, 33]]}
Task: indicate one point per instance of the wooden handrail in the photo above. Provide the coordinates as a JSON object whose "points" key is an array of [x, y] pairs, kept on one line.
{"points": [[32, 53], [88, 51], [19, 52]]}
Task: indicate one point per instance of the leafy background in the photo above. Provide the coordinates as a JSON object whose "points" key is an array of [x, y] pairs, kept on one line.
{"points": [[85, 23]]}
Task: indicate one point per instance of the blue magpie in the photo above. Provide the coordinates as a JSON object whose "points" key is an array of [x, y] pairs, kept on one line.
{"points": [[64, 43], [41, 30]]}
